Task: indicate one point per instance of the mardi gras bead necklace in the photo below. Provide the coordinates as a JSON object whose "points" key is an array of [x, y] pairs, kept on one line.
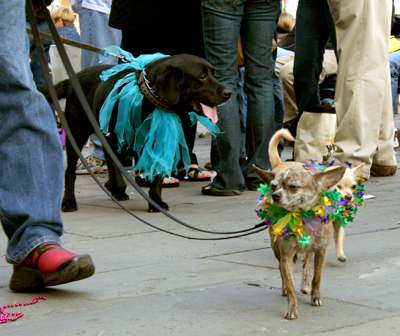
{"points": [[11, 316], [332, 206]]}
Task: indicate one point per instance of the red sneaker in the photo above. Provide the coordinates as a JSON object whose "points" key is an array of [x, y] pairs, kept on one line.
{"points": [[50, 265]]}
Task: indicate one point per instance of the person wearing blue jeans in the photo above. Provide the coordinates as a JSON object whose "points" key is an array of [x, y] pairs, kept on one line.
{"points": [[314, 27], [394, 60], [94, 28], [256, 21], [36, 68], [30, 188]]}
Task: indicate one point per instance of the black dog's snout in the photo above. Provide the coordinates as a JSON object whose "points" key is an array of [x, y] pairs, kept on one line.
{"points": [[226, 93], [276, 196]]}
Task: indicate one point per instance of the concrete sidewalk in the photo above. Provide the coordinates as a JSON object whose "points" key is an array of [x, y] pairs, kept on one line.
{"points": [[150, 283]]}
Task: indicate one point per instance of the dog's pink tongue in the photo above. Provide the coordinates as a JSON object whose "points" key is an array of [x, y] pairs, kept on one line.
{"points": [[210, 113]]}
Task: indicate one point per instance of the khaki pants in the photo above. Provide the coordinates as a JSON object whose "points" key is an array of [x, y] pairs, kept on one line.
{"points": [[363, 92], [284, 68]]}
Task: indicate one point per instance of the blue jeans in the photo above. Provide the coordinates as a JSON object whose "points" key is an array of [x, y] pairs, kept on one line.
{"points": [[314, 26], [394, 60], [36, 69], [223, 20], [242, 104], [96, 32], [31, 158]]}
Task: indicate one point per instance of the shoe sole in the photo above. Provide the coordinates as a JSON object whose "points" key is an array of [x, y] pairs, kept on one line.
{"points": [[383, 171], [214, 192], [77, 268]]}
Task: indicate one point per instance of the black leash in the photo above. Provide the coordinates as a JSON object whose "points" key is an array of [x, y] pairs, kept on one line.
{"points": [[85, 105]]}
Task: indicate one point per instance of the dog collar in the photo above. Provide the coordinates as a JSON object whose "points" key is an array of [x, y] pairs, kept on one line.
{"points": [[151, 94], [332, 206]]}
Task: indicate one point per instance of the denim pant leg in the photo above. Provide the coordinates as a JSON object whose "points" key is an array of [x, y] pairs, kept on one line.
{"points": [[221, 27], [259, 16], [98, 147], [314, 26], [96, 32], [36, 68], [31, 159], [242, 101], [394, 60], [279, 110]]}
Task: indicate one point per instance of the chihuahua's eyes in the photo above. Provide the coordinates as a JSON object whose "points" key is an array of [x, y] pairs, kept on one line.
{"points": [[354, 186], [273, 185], [294, 187]]}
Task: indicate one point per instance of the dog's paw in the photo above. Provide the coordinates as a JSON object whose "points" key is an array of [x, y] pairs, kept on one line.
{"points": [[69, 206], [163, 206], [120, 196], [342, 258], [305, 288], [316, 301], [292, 313]]}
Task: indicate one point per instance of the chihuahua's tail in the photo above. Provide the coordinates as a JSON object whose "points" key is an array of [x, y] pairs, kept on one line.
{"points": [[274, 157]]}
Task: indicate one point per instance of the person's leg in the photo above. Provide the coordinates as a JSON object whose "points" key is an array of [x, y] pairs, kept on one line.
{"points": [[289, 96], [279, 112], [394, 60], [221, 27], [363, 94], [30, 188], [195, 172], [36, 68], [259, 16], [242, 103], [314, 26], [98, 147], [96, 32]]}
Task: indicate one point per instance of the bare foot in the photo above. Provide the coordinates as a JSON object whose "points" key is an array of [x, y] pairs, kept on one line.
{"points": [[170, 180], [196, 173]]}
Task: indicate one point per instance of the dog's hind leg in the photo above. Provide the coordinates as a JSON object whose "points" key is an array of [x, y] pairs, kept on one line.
{"points": [[68, 203], [339, 237], [305, 280], [155, 194]]}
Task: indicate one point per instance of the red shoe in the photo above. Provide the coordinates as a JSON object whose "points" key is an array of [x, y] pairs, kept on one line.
{"points": [[50, 265]]}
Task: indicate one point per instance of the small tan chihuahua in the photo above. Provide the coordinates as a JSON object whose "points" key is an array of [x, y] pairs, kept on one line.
{"points": [[347, 185], [296, 189]]}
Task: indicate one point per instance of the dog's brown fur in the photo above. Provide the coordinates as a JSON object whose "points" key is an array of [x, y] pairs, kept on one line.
{"points": [[296, 189]]}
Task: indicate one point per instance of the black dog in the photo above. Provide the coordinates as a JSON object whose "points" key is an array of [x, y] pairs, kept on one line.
{"points": [[180, 83]]}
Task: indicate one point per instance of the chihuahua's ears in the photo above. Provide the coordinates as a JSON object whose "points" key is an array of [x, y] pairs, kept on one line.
{"points": [[328, 178], [357, 170], [265, 175]]}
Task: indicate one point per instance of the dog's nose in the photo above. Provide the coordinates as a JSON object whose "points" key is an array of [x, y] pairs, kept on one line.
{"points": [[276, 196], [348, 197], [226, 93]]}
